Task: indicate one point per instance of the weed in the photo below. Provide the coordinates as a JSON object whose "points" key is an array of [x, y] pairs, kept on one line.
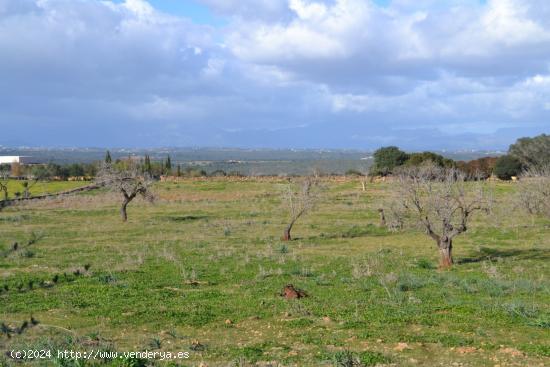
{"points": [[283, 249], [425, 264], [155, 343], [347, 358]]}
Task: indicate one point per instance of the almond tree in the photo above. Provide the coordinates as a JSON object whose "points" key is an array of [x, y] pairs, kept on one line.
{"points": [[534, 190], [441, 202], [129, 182], [298, 200]]}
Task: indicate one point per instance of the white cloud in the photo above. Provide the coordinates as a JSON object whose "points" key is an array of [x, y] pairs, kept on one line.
{"points": [[317, 31], [508, 21], [327, 69], [139, 7], [308, 11], [326, 43]]}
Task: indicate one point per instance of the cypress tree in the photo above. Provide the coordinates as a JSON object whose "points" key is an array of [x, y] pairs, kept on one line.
{"points": [[108, 157], [168, 165], [147, 164]]}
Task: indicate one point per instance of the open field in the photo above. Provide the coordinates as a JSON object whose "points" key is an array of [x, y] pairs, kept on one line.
{"points": [[41, 187], [200, 271]]}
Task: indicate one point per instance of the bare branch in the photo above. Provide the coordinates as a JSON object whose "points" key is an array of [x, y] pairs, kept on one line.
{"points": [[440, 201], [299, 199], [534, 191], [129, 182]]}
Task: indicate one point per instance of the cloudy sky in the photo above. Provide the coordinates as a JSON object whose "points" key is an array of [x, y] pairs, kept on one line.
{"points": [[421, 74]]}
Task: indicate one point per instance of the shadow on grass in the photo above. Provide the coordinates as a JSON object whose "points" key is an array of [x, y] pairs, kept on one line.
{"points": [[355, 232], [486, 253], [186, 218]]}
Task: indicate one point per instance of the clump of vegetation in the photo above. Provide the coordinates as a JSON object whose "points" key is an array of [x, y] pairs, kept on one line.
{"points": [[424, 264], [532, 152], [348, 358], [23, 249], [507, 167], [387, 159], [9, 331], [478, 169]]}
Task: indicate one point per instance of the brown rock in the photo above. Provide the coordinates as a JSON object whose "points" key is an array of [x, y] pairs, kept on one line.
{"points": [[290, 292]]}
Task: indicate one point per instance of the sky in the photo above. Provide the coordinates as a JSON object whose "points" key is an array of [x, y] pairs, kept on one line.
{"points": [[349, 74]]}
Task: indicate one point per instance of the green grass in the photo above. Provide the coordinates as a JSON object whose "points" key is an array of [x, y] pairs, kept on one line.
{"points": [[40, 188], [201, 271]]}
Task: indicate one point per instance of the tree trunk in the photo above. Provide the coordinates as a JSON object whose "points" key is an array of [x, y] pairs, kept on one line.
{"points": [[382, 218], [446, 253], [123, 210], [286, 234]]}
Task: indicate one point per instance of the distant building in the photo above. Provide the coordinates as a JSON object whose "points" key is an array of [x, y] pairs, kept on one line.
{"points": [[9, 159]]}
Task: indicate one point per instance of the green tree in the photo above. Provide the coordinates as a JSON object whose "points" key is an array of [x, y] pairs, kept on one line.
{"points": [[168, 165], [386, 159], [147, 164], [108, 158], [416, 159], [532, 152], [507, 166]]}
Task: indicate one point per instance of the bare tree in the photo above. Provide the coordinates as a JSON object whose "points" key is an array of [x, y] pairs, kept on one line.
{"points": [[441, 202], [382, 215], [534, 190], [365, 179], [129, 182], [299, 199]]}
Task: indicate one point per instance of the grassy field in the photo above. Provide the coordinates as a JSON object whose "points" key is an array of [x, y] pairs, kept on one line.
{"points": [[201, 270], [40, 188]]}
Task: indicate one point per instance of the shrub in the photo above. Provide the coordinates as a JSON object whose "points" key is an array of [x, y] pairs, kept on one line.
{"points": [[387, 159], [506, 167], [424, 264], [416, 159], [532, 152]]}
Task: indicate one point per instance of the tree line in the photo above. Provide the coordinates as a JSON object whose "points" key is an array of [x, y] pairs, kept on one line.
{"points": [[525, 153]]}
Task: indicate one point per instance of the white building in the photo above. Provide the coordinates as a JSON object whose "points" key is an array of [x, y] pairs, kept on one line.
{"points": [[9, 159]]}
